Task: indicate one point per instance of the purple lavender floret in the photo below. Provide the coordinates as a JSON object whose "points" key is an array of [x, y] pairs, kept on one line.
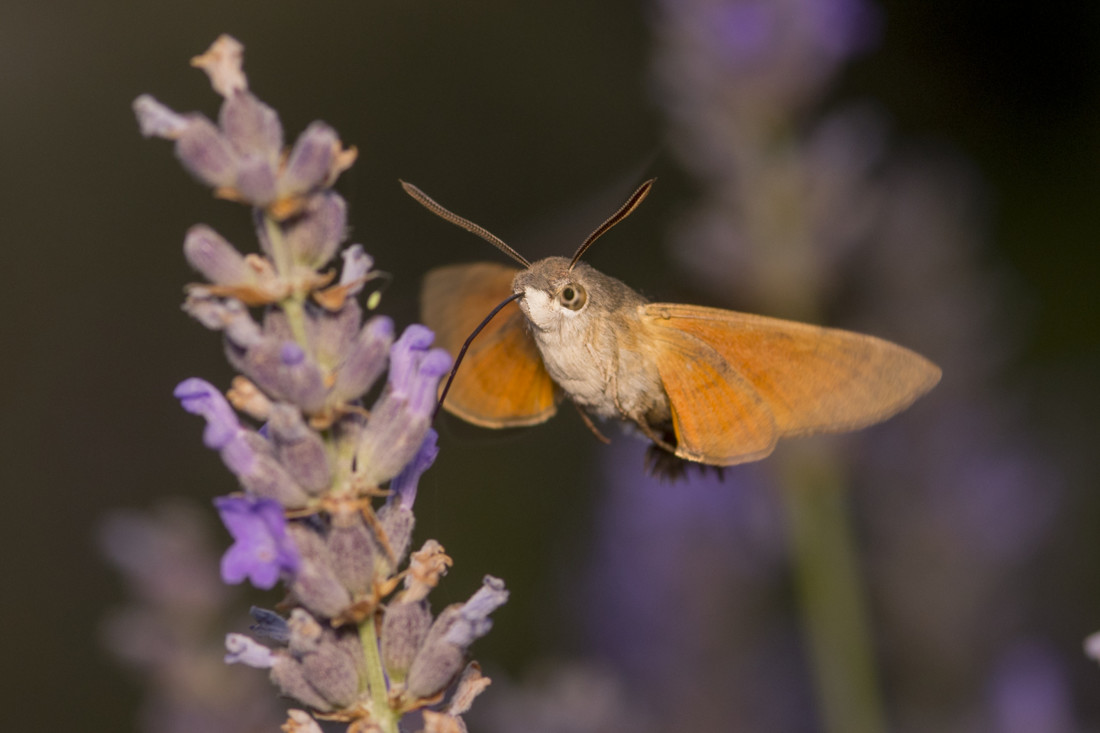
{"points": [[246, 453], [401, 418], [199, 397], [262, 551], [405, 483]]}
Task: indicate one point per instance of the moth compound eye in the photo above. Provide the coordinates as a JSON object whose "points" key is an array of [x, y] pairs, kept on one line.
{"points": [[573, 297]]}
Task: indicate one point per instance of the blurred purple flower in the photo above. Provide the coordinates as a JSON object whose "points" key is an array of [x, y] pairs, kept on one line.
{"points": [[262, 551], [953, 498], [1029, 691], [679, 596], [750, 32], [171, 633], [755, 60]]}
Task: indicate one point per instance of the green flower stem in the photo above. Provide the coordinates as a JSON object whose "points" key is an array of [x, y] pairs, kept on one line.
{"points": [[292, 305], [296, 319], [376, 678], [831, 595]]}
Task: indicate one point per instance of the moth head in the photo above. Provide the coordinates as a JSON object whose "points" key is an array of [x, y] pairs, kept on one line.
{"points": [[553, 292]]}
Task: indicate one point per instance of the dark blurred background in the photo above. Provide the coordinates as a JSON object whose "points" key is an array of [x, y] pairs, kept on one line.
{"points": [[534, 119]]}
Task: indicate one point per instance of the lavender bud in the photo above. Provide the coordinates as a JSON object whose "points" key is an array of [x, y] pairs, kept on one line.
{"points": [[404, 628], [365, 362], [397, 522], [157, 120], [353, 550], [255, 182], [282, 370], [262, 474], [290, 677], [252, 127], [313, 236], [332, 333], [333, 674], [206, 153], [441, 657], [323, 653], [316, 584], [300, 450], [310, 160], [210, 254], [240, 329], [437, 663]]}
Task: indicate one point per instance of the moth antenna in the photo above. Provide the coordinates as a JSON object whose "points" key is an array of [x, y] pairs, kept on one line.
{"points": [[624, 211], [466, 345], [426, 201]]}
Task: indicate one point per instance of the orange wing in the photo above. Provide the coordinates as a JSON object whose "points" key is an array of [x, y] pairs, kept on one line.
{"points": [[718, 417], [502, 381], [809, 379]]}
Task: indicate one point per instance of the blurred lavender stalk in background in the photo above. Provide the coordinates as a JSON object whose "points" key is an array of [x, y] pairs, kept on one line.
{"points": [[910, 543], [358, 643], [173, 631], [806, 214]]}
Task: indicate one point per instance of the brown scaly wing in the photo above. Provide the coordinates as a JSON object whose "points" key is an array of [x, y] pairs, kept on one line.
{"points": [[811, 379], [502, 381], [718, 417]]}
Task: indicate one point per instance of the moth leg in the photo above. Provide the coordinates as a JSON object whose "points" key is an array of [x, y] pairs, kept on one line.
{"points": [[592, 426], [650, 433]]}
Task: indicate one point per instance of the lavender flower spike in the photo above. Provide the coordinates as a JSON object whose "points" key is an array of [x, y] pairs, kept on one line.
{"points": [[345, 643], [262, 551]]}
